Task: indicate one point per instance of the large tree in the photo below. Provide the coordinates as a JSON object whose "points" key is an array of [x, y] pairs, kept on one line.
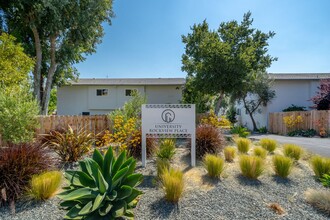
{"points": [[220, 60], [58, 34]]}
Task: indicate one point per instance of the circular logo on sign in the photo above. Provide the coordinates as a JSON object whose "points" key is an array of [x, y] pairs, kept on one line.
{"points": [[168, 116]]}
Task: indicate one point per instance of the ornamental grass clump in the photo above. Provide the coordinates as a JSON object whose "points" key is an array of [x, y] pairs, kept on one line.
{"points": [[268, 144], [44, 186], [320, 199], [251, 166], [214, 165], [260, 152], [166, 149], [173, 184], [282, 165], [320, 165], [293, 151], [209, 139], [162, 166], [243, 145], [230, 153], [103, 188]]}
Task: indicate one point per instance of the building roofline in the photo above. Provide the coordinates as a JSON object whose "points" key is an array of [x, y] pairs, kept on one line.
{"points": [[298, 76], [128, 81]]}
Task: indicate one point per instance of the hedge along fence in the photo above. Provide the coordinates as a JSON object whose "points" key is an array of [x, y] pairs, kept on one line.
{"points": [[310, 120]]}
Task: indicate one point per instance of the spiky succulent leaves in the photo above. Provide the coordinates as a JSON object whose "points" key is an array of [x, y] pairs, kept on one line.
{"points": [[103, 188]]}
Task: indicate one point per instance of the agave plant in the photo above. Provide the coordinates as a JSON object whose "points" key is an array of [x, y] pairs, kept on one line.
{"points": [[103, 188]]}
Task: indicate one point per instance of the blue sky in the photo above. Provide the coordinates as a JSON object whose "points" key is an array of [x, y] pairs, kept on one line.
{"points": [[145, 37]]}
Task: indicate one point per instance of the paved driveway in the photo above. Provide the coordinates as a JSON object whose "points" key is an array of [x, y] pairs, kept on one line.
{"points": [[319, 146]]}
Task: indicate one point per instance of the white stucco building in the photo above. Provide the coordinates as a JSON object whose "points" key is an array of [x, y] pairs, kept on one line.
{"points": [[296, 89], [100, 96]]}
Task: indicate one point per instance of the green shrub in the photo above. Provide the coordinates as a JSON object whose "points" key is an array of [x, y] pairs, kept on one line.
{"points": [[230, 153], [70, 144], [320, 165], [325, 180], [251, 166], [208, 140], [293, 151], [243, 144], [103, 188], [263, 130], [44, 186], [213, 164], [320, 199], [173, 184], [260, 152], [268, 144], [241, 131], [282, 165], [162, 165], [294, 108], [18, 115], [166, 149], [18, 163]]}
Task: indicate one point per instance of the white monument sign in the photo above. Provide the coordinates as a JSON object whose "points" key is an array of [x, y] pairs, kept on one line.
{"points": [[168, 121]]}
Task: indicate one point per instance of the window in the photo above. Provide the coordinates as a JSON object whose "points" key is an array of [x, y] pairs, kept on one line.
{"points": [[101, 92], [129, 92]]}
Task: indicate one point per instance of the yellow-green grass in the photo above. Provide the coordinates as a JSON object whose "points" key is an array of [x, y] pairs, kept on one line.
{"points": [[162, 165], [251, 166], [243, 144], [45, 185], [260, 152], [268, 144], [293, 151], [214, 165], [282, 165], [230, 153], [320, 165], [173, 184]]}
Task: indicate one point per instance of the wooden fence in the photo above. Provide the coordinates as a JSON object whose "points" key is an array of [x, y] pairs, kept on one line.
{"points": [[90, 123], [310, 120]]}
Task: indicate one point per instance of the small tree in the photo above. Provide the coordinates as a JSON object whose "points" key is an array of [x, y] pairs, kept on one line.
{"points": [[322, 98], [255, 92]]}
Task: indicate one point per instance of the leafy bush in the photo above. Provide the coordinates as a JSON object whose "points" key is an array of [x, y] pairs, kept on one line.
{"points": [[173, 184], [134, 146], [294, 108], [213, 164], [71, 144], [268, 144], [44, 186], [243, 144], [162, 166], [251, 166], [282, 165], [103, 188], [260, 152], [230, 153], [208, 140], [292, 122], [241, 131], [320, 199], [213, 120], [231, 114], [304, 133], [263, 130], [293, 151], [166, 149], [320, 165], [325, 180], [18, 163], [18, 115]]}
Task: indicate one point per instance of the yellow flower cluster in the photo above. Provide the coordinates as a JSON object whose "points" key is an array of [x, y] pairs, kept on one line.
{"points": [[122, 130], [292, 121], [212, 119]]}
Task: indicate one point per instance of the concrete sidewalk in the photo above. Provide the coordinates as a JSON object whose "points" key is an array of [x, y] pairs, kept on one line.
{"points": [[316, 145]]}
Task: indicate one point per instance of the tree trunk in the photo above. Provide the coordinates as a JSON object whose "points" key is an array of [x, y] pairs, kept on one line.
{"points": [[218, 104], [255, 128], [37, 66], [50, 75]]}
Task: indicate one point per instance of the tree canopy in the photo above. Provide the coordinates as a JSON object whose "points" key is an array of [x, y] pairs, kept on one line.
{"points": [[220, 60], [58, 34], [322, 98]]}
